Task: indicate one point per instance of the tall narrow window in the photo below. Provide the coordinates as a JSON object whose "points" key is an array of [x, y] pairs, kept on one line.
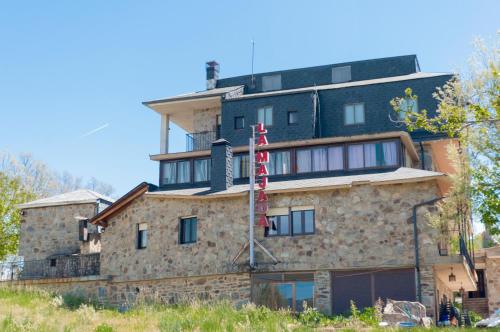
{"points": [[304, 161], [271, 82], [335, 158], [319, 159], [355, 156], [202, 170], [142, 236], [354, 114], [279, 163], [188, 229], [169, 173], [183, 172], [240, 166], [265, 115], [239, 122]]}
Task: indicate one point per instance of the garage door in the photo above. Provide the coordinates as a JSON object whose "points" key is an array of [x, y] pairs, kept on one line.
{"points": [[365, 287]]}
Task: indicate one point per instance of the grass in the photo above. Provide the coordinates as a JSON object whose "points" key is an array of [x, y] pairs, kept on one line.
{"points": [[34, 310]]}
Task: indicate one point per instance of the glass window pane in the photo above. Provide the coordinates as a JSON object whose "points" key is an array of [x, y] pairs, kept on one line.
{"points": [[319, 158], [335, 158], [269, 116], [261, 116], [293, 117], [201, 170], [245, 166], [370, 155], [169, 175], [304, 292], [349, 114], [193, 224], [187, 231], [236, 167], [303, 161], [143, 239], [297, 222], [271, 167], [359, 113], [355, 156], [183, 172], [309, 221], [390, 153], [273, 226], [283, 225]]}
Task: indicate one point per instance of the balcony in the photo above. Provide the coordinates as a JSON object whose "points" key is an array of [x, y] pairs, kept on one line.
{"points": [[200, 141], [52, 267]]}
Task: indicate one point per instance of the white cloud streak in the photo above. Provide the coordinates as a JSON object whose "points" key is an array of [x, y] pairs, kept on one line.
{"points": [[93, 131]]}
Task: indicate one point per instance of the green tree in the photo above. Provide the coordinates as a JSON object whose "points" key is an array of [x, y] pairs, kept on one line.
{"points": [[12, 193], [468, 111]]}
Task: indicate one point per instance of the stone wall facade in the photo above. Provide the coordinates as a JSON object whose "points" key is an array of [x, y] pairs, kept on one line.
{"points": [[205, 119], [52, 230], [493, 282]]}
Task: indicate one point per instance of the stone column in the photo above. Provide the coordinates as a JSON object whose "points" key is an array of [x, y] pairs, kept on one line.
{"points": [[221, 176], [428, 284], [323, 292], [164, 132]]}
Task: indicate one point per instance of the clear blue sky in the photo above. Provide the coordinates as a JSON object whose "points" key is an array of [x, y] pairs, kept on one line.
{"points": [[69, 67]]}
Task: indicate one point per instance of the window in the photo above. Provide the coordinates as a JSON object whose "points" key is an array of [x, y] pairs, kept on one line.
{"points": [[202, 170], [283, 290], [239, 122], [271, 82], [302, 221], [341, 74], [142, 236], [279, 163], [240, 166], [187, 230], [354, 113], [265, 115], [83, 232], [293, 117], [407, 105], [278, 226], [53, 262], [176, 172], [320, 159], [372, 155]]}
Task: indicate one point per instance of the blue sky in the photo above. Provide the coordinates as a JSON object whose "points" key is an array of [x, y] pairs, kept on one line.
{"points": [[68, 67]]}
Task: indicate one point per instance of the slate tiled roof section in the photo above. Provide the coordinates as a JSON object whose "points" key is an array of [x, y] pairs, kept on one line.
{"points": [[408, 77], [400, 175], [199, 94], [81, 196]]}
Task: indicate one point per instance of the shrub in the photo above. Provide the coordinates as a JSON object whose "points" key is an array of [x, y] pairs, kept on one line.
{"points": [[103, 328], [73, 300], [310, 316]]}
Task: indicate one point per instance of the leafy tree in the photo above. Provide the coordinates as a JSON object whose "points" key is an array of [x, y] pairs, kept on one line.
{"points": [[469, 112], [12, 193]]}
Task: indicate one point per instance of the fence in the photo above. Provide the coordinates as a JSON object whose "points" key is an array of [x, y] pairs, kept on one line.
{"points": [[200, 141], [53, 267]]}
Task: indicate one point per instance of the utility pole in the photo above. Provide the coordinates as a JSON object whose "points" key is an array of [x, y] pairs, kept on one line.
{"points": [[251, 219]]}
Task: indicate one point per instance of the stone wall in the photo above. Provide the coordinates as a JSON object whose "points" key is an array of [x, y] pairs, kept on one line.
{"points": [[52, 230], [205, 119], [365, 226], [493, 282]]}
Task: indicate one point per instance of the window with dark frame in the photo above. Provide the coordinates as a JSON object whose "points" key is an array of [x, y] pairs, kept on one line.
{"points": [[278, 226], [303, 222], [53, 262], [298, 222], [271, 82], [354, 114], [265, 115], [293, 117], [188, 230], [142, 236], [176, 172], [202, 170], [239, 122], [341, 74], [241, 166]]}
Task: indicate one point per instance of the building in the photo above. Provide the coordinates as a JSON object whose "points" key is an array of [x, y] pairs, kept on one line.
{"points": [[348, 192]]}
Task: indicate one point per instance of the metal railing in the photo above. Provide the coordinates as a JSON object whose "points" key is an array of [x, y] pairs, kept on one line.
{"points": [[52, 267], [200, 141], [465, 252]]}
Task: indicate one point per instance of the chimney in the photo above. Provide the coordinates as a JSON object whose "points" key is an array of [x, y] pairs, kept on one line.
{"points": [[221, 176], [212, 68]]}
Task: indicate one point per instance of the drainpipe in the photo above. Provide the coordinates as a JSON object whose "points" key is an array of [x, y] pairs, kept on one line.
{"points": [[415, 239], [422, 155]]}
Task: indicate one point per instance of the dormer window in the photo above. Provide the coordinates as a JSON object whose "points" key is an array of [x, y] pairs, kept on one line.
{"points": [[271, 82], [341, 74]]}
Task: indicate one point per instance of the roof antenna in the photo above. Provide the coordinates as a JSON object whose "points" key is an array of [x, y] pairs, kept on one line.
{"points": [[253, 55]]}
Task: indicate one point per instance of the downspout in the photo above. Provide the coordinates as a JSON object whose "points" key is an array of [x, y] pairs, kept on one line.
{"points": [[415, 240], [422, 155]]}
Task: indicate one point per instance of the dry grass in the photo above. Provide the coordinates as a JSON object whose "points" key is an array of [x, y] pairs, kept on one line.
{"points": [[34, 310]]}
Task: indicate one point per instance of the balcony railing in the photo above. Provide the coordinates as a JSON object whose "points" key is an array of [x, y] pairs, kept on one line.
{"points": [[53, 267], [200, 141], [465, 252]]}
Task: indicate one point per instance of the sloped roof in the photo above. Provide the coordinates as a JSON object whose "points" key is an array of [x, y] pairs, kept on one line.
{"points": [[194, 95], [400, 175], [80, 196]]}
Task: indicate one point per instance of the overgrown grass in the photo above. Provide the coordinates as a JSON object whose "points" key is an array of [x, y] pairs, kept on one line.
{"points": [[32, 310]]}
